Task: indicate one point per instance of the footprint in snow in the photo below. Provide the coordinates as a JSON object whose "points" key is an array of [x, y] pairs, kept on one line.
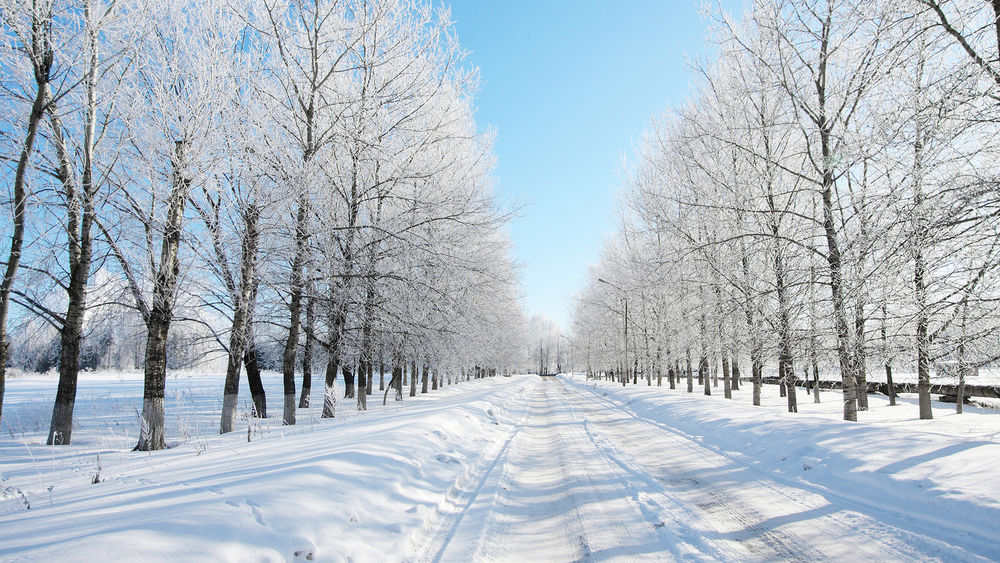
{"points": [[254, 508], [444, 458]]}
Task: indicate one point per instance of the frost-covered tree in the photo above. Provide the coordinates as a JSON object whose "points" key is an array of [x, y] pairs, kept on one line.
{"points": [[179, 85], [241, 163]]}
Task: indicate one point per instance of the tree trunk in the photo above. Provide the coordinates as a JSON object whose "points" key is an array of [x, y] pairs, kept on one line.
{"points": [[367, 346], [735, 365], [815, 378], [80, 219], [348, 374], [61, 426], [329, 394], [396, 381], [736, 372], [757, 374], [364, 373], [238, 335], [254, 382], [659, 366], [962, 365], [307, 353], [839, 311], [423, 378], [413, 378], [922, 340], [151, 436], [833, 256], [813, 358], [335, 325], [890, 385], [703, 373], [788, 377], [43, 64], [231, 388], [786, 373], [860, 361], [288, 392], [727, 390], [690, 374], [295, 286], [398, 370], [960, 390]]}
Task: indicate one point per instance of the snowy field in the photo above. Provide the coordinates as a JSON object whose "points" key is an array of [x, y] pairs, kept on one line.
{"points": [[521, 468]]}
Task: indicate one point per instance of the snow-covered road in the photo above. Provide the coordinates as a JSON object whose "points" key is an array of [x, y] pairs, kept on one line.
{"points": [[551, 496], [583, 477], [502, 469]]}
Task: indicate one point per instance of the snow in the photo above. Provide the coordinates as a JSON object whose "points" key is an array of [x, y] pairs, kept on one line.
{"points": [[520, 468], [896, 487], [354, 487]]}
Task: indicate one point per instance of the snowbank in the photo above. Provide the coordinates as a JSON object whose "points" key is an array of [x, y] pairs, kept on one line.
{"points": [[353, 488]]}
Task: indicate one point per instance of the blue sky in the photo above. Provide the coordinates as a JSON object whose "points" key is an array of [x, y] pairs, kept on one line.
{"points": [[569, 87]]}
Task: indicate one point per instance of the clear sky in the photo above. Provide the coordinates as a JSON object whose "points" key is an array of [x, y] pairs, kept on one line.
{"points": [[569, 87]]}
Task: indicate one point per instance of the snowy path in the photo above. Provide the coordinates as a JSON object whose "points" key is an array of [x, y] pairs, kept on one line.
{"points": [[503, 469], [748, 514], [552, 497], [584, 478]]}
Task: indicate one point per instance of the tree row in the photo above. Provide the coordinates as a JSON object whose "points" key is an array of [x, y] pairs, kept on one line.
{"points": [[824, 202], [267, 183]]}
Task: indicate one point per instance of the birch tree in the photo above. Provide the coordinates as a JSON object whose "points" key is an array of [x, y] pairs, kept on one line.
{"points": [[28, 31], [180, 83]]}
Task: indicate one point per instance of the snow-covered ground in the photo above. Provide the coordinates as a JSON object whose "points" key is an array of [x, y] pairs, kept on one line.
{"points": [[808, 485], [521, 468], [356, 487], [985, 377]]}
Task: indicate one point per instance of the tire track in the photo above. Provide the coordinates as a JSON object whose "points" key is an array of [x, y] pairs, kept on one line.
{"points": [[549, 494], [434, 538], [862, 534]]}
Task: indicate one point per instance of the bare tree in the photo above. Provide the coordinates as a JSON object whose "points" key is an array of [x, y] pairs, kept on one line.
{"points": [[180, 96], [31, 27]]}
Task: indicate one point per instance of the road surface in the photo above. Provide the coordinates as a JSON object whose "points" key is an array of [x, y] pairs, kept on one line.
{"points": [[581, 478]]}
